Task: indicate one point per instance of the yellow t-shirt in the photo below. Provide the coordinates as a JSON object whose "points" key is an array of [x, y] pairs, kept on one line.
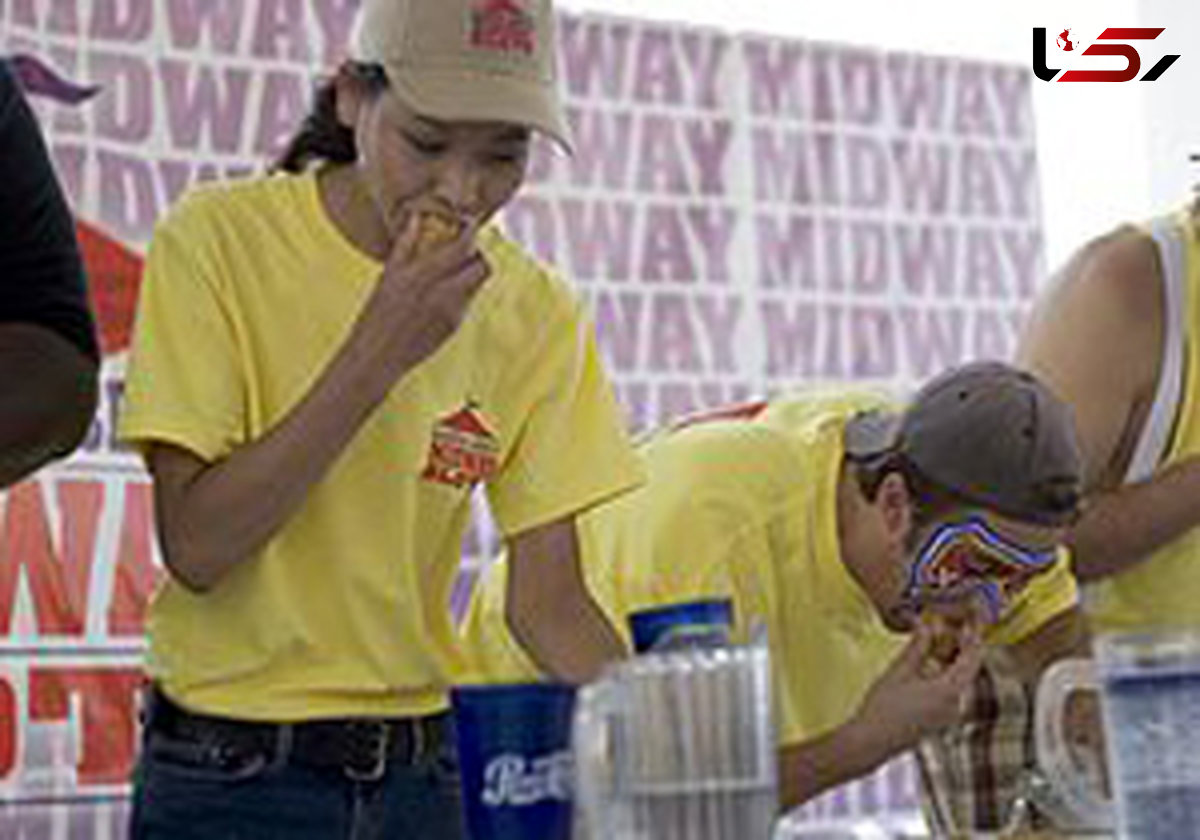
{"points": [[249, 292], [746, 509], [1163, 590]]}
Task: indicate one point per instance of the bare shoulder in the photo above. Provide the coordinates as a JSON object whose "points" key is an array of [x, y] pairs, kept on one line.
{"points": [[1095, 337], [1107, 295], [1118, 273]]}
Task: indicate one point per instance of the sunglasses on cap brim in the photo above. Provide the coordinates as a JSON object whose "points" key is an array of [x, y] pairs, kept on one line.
{"points": [[969, 558]]}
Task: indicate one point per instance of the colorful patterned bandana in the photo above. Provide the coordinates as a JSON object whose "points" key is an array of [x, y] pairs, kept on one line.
{"points": [[968, 558]]}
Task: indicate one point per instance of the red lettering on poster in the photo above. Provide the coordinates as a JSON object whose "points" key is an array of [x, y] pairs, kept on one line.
{"points": [[108, 707], [135, 575], [8, 728], [58, 584]]}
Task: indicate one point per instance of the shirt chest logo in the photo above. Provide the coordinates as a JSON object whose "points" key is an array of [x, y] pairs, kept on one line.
{"points": [[463, 450]]}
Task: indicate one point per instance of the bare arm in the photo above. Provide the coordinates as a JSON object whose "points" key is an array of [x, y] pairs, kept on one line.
{"points": [[1097, 340], [46, 400], [214, 516], [1126, 524], [808, 769], [904, 705], [549, 609]]}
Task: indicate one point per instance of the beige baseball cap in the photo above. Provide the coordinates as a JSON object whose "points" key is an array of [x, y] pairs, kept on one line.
{"points": [[454, 60]]}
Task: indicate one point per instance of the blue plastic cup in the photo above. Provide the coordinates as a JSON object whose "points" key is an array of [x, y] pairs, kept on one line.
{"points": [[514, 750], [675, 626]]}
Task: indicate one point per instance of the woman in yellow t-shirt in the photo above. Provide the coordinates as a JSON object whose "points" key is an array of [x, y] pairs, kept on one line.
{"points": [[326, 362]]}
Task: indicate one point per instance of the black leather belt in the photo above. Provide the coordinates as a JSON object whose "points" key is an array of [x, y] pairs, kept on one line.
{"points": [[361, 747]]}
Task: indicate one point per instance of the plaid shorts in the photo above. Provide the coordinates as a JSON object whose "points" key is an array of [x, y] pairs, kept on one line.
{"points": [[973, 775]]}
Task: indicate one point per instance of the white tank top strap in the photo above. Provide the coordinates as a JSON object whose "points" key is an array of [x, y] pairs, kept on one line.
{"points": [[1155, 436]]}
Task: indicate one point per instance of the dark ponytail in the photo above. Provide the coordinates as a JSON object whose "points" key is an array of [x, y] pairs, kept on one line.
{"points": [[322, 136]]}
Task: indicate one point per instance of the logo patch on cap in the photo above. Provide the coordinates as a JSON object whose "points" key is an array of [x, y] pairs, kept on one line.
{"points": [[502, 26]]}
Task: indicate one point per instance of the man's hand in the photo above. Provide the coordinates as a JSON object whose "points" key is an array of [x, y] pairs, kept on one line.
{"points": [[921, 693], [911, 699]]}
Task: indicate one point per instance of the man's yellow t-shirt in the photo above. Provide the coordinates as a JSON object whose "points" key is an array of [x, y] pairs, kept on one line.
{"points": [[746, 509], [249, 292]]}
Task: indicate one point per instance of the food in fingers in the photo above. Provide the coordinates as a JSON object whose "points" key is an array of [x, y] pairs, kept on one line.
{"points": [[435, 229], [944, 644], [944, 647]]}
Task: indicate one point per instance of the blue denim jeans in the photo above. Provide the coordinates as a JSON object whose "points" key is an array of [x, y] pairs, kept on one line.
{"points": [[179, 796]]}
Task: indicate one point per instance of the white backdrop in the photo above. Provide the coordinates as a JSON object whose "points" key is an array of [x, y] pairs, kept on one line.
{"points": [[1091, 142]]}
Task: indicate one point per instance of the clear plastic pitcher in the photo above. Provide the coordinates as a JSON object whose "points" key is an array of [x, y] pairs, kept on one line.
{"points": [[678, 746], [1067, 784], [1150, 685]]}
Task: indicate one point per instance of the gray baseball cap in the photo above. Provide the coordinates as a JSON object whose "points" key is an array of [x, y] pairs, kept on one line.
{"points": [[989, 433]]}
